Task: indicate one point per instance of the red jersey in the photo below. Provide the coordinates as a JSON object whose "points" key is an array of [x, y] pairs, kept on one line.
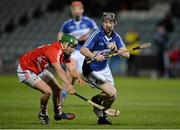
{"points": [[40, 58]]}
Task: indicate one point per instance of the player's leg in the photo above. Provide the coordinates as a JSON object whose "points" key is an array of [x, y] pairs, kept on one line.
{"points": [[57, 101], [38, 84], [104, 81], [46, 91], [106, 98], [34, 81]]}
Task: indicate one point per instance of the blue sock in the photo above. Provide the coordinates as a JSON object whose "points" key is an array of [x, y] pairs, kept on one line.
{"points": [[63, 95]]}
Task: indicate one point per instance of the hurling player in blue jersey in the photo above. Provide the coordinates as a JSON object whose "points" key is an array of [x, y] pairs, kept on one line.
{"points": [[102, 41], [80, 27]]}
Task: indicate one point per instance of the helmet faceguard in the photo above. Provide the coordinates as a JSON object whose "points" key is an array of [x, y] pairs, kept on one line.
{"points": [[109, 16], [108, 22]]}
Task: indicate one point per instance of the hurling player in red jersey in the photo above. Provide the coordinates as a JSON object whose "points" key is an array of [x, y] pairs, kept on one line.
{"points": [[32, 70]]}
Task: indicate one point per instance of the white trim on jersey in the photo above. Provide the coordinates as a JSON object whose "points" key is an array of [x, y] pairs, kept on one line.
{"points": [[120, 39], [62, 27], [80, 32], [93, 22], [91, 37]]}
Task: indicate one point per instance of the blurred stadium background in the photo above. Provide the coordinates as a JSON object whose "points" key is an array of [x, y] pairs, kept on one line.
{"points": [[27, 24]]}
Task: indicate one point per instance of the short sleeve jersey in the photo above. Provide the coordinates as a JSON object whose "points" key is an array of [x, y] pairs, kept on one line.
{"points": [[78, 29], [42, 57], [98, 42]]}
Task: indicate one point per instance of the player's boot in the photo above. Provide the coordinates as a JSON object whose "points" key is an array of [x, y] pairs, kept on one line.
{"points": [[104, 121], [68, 116], [44, 119]]}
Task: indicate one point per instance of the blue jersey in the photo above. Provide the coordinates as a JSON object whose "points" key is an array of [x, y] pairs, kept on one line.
{"points": [[79, 28], [98, 42]]}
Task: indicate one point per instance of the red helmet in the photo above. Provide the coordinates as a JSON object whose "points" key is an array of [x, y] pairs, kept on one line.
{"points": [[77, 4]]}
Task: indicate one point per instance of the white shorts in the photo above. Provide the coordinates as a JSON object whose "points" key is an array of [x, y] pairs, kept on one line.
{"points": [[96, 78], [30, 78], [104, 75], [79, 58]]}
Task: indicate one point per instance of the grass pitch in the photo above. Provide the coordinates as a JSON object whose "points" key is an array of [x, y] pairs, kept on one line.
{"points": [[144, 104]]}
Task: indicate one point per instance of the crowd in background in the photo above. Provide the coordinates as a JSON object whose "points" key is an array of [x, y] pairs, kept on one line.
{"points": [[167, 52]]}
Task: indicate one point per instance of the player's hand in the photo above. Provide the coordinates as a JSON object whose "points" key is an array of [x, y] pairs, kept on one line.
{"points": [[70, 89], [99, 57], [112, 46], [80, 81]]}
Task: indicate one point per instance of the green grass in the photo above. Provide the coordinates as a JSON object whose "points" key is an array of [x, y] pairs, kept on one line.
{"points": [[144, 103]]}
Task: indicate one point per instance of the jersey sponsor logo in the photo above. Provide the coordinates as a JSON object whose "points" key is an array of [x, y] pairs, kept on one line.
{"points": [[80, 33], [101, 43], [104, 52], [39, 59], [41, 62], [83, 26], [71, 27]]}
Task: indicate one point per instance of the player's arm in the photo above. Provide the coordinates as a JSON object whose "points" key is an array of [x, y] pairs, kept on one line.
{"points": [[88, 45], [75, 74], [93, 56], [123, 51], [87, 53], [61, 73]]}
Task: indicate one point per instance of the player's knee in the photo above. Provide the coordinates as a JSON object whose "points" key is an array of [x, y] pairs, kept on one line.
{"points": [[112, 94], [55, 87], [112, 98], [48, 92]]}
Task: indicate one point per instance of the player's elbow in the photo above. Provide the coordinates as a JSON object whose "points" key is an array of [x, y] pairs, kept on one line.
{"points": [[126, 55], [83, 50]]}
